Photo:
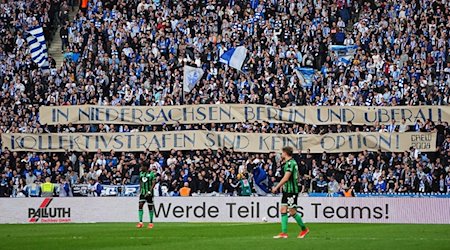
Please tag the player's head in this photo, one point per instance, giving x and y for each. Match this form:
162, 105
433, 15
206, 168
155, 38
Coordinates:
287, 152
145, 166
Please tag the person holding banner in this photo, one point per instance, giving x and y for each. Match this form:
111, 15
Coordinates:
290, 190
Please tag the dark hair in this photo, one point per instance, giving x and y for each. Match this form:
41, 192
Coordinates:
146, 165
288, 150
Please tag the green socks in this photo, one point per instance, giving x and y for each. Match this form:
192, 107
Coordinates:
299, 221
141, 214
150, 212
284, 223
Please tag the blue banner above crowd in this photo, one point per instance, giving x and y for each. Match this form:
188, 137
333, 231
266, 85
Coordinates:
235, 113
201, 139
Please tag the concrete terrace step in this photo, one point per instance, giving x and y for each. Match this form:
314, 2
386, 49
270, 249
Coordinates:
54, 49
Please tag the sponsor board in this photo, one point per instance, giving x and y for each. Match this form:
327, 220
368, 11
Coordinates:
226, 209
49, 214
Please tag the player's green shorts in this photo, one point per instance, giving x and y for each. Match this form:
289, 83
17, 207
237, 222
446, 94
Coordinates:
146, 198
289, 199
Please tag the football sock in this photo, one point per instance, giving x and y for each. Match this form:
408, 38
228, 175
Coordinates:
141, 214
284, 222
151, 215
299, 220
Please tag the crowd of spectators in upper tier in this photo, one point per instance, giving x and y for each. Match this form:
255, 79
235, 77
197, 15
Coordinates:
132, 52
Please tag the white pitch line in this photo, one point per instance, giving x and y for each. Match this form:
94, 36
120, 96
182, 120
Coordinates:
373, 238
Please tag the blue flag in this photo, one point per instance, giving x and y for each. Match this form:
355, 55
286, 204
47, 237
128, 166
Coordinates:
344, 53
254, 4
234, 57
261, 180
191, 77
38, 49
305, 76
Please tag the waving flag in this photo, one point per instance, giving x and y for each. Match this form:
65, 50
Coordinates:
347, 49
261, 180
254, 4
38, 48
305, 76
191, 77
344, 53
234, 57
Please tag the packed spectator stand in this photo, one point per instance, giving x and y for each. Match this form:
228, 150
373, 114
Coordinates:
131, 52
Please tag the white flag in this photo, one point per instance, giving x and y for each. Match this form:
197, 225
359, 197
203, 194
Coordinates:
191, 77
38, 48
234, 57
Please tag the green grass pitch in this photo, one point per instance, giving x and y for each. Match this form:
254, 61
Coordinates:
222, 236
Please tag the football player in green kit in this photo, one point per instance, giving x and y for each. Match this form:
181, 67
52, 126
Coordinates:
289, 184
147, 181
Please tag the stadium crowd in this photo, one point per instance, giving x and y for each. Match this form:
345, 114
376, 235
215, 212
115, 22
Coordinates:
132, 52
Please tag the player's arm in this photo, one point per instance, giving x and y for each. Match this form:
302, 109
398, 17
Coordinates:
155, 179
154, 184
285, 178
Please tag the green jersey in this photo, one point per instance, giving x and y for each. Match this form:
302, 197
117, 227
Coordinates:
291, 186
146, 180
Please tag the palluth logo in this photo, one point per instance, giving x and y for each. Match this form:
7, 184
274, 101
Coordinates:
48, 214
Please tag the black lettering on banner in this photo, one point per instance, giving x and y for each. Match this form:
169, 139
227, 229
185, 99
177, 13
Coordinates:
190, 114
328, 212
300, 211
383, 116
123, 114
149, 114
188, 139
272, 211
243, 211
136, 115
141, 142
211, 141
154, 140
198, 140
252, 210
387, 211
213, 212
165, 138
187, 211
378, 212
316, 209
110, 117
75, 142
201, 114
162, 210
231, 208
360, 211
342, 212
257, 209
248, 113
212, 113
200, 211
178, 211
330, 145
118, 142
263, 142
174, 117
161, 116
31, 212
105, 142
